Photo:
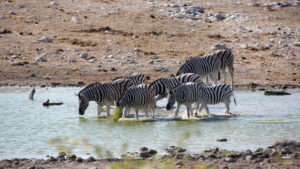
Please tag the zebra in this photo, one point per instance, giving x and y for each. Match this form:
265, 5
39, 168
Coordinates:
227, 60
202, 94
210, 65
186, 94
163, 84
136, 78
103, 94
138, 97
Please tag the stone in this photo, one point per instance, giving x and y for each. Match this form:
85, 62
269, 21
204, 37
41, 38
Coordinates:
152, 152
179, 163
46, 40
113, 69
174, 5
75, 20
84, 55
91, 159
61, 157
41, 58
222, 140
297, 43
161, 69
71, 60
79, 160
71, 157
155, 57
143, 149
145, 154
54, 3
12, 13
229, 159
195, 9
219, 46
285, 151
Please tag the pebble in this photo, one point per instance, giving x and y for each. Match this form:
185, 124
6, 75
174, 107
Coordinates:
297, 43
54, 3
41, 58
222, 140
12, 13
46, 40
219, 46
79, 160
75, 19
71, 60
84, 55
161, 69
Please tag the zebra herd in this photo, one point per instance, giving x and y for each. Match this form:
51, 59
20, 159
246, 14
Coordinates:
187, 88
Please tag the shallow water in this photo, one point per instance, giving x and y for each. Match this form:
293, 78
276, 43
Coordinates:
26, 127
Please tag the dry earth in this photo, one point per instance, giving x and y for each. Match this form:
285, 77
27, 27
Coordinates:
124, 36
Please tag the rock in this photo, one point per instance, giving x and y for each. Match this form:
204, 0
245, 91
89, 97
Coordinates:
113, 69
274, 54
276, 93
71, 157
285, 151
152, 152
71, 60
219, 46
5, 31
174, 6
84, 55
215, 16
51, 159
161, 69
12, 13
247, 153
222, 140
229, 159
212, 156
53, 84
79, 160
41, 58
179, 156
17, 63
179, 163
195, 9
249, 158
46, 40
75, 19
235, 16
145, 154
151, 62
91, 159
54, 3
155, 57
297, 43
136, 36
61, 157
235, 155
143, 149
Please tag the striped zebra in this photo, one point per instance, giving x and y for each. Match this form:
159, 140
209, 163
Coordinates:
103, 94
210, 65
136, 78
138, 97
185, 94
162, 85
190, 93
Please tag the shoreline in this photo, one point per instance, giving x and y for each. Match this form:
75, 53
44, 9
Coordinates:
284, 154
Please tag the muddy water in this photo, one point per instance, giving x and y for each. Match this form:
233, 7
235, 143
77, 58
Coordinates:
27, 128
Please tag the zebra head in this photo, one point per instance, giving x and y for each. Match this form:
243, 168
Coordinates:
83, 103
171, 99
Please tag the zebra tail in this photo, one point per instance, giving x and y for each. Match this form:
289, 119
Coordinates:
234, 99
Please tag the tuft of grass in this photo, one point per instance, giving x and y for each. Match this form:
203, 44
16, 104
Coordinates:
117, 114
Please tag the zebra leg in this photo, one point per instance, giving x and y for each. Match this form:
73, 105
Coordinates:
153, 110
125, 112
206, 109
188, 107
146, 112
108, 110
206, 79
136, 114
177, 110
225, 75
99, 107
231, 70
197, 108
227, 104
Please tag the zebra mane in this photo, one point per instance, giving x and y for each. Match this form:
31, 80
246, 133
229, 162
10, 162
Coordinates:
88, 87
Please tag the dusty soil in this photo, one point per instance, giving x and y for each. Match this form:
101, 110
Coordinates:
285, 154
124, 36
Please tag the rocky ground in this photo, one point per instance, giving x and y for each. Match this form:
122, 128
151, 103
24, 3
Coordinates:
284, 154
74, 42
